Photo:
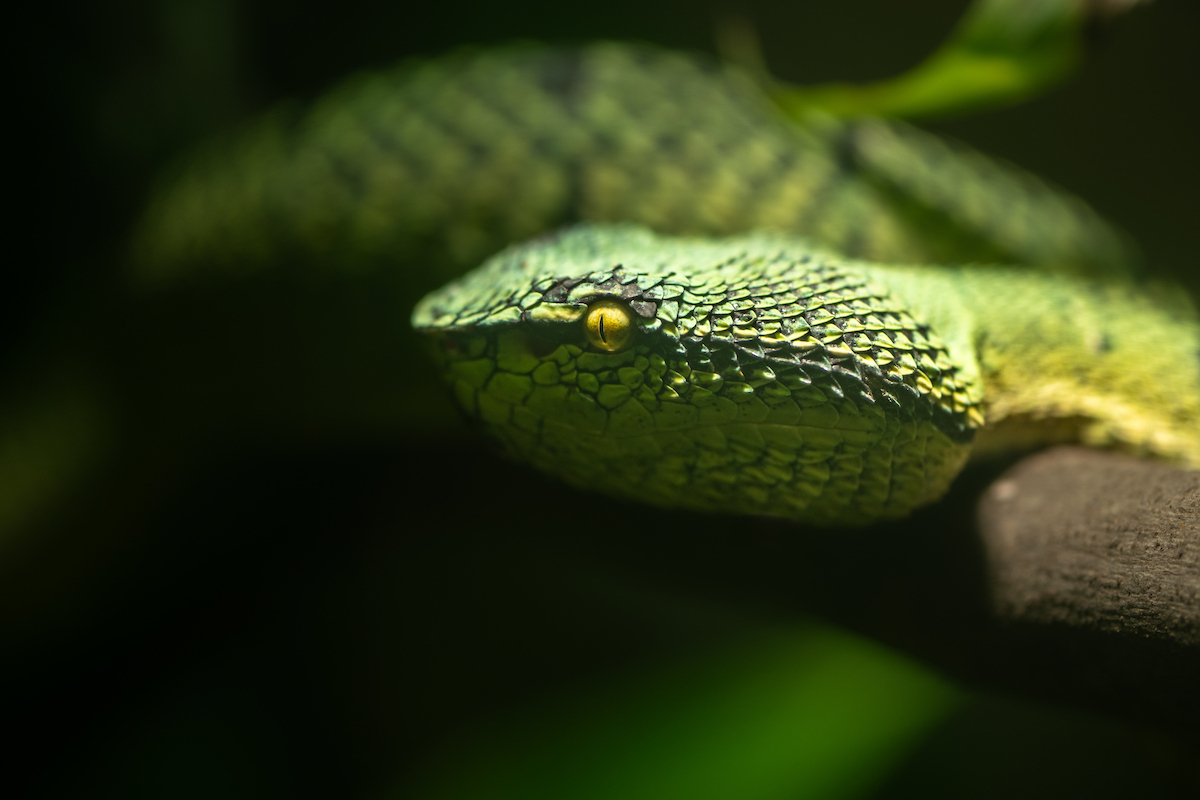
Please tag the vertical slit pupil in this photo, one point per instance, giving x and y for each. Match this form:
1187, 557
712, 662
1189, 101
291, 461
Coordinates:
600, 325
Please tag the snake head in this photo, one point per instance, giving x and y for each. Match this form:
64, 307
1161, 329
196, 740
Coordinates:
751, 375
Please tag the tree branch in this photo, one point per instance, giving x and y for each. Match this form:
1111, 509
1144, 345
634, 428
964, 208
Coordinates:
1073, 577
1093, 560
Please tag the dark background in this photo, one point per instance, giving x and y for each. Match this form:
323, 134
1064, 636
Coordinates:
312, 622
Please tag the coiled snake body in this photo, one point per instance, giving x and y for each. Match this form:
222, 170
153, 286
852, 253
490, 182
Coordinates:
763, 373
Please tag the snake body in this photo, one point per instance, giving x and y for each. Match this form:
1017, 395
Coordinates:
439, 164
768, 374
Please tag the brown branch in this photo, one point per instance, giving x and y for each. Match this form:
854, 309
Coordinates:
1096, 542
1074, 578
1093, 559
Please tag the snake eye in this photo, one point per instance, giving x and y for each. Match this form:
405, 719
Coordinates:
609, 325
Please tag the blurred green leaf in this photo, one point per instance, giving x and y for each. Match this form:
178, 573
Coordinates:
1002, 52
809, 712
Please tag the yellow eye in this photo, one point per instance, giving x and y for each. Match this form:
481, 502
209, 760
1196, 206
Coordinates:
609, 325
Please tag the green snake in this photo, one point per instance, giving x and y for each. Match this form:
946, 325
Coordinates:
763, 374
757, 374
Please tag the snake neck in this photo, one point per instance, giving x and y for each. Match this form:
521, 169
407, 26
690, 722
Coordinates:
1062, 360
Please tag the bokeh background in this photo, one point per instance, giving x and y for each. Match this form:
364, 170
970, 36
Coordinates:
350, 619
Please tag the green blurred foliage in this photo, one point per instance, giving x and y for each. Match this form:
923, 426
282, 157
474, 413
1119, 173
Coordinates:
1001, 53
803, 713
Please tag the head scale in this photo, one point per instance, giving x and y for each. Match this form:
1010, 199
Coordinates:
753, 375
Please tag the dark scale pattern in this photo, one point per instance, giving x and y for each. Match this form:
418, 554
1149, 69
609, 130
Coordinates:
765, 378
